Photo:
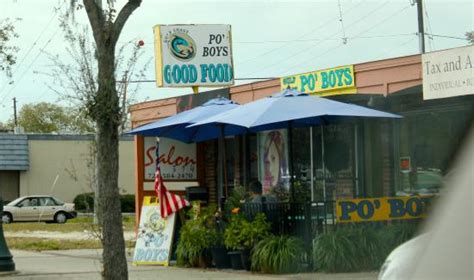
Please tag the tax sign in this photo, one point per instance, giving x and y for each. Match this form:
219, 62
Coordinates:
193, 55
381, 209
177, 160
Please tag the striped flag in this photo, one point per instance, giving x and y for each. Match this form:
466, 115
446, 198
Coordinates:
169, 202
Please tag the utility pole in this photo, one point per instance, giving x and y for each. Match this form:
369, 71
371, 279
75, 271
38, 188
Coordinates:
421, 28
14, 112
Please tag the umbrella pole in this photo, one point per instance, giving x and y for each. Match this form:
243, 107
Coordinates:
220, 172
311, 162
290, 146
324, 165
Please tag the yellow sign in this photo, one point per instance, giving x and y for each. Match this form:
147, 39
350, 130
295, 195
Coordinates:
155, 235
333, 81
381, 209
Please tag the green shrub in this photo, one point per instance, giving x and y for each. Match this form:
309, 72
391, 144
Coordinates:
358, 247
127, 203
370, 247
196, 237
396, 234
84, 202
242, 234
237, 195
278, 254
335, 251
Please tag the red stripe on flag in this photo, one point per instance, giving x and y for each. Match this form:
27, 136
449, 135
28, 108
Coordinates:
169, 202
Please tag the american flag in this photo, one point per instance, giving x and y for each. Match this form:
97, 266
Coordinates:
169, 202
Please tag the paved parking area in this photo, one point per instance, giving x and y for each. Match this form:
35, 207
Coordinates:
85, 264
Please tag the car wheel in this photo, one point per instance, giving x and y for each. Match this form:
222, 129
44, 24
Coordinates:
7, 218
60, 218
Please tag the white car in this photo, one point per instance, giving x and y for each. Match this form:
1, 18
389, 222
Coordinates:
38, 208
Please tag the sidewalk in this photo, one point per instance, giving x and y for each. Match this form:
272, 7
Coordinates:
85, 264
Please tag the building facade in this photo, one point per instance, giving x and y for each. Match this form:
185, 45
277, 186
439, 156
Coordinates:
59, 165
357, 158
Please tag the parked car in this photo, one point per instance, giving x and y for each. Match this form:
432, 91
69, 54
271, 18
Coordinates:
38, 208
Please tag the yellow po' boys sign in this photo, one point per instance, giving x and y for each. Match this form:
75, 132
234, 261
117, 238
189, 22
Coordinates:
333, 81
381, 209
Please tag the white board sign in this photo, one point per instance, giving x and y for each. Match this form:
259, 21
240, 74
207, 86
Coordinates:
155, 235
193, 55
448, 73
177, 160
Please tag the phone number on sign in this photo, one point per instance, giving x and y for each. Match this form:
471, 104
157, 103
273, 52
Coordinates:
174, 176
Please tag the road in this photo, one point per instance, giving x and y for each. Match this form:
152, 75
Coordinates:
85, 264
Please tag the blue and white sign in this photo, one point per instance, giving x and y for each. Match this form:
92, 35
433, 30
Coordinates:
193, 55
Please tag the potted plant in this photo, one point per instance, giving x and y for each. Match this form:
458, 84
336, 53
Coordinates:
241, 235
197, 235
219, 252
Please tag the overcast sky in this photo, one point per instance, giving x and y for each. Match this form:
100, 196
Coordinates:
270, 38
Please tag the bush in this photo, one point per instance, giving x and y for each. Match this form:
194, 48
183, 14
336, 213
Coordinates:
241, 234
278, 254
127, 203
358, 248
196, 237
335, 251
84, 202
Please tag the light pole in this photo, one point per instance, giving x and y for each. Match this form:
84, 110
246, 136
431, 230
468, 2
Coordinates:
6, 259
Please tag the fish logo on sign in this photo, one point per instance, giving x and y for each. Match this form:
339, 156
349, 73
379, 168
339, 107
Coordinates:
181, 46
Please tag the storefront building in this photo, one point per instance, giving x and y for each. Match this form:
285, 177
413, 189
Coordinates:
357, 158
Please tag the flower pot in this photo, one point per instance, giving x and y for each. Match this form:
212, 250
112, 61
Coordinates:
220, 257
245, 256
236, 260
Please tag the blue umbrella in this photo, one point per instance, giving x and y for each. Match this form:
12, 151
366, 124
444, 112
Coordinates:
176, 126
286, 109
289, 108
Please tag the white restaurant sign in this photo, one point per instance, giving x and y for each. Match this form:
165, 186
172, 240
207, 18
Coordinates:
448, 73
177, 160
193, 55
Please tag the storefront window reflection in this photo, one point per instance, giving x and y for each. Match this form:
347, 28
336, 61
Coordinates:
273, 168
426, 142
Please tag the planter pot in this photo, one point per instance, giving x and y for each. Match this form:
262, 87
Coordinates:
220, 257
245, 256
236, 260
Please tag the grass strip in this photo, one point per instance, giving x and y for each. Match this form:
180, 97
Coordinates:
41, 244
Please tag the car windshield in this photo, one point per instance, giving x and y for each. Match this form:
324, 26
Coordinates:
14, 202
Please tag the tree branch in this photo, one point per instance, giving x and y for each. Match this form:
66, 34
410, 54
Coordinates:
96, 19
122, 17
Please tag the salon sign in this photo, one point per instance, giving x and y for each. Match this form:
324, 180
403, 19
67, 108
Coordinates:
177, 159
381, 209
333, 81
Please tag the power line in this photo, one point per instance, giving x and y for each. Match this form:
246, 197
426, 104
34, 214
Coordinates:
29, 66
301, 36
300, 51
31, 48
448, 36
360, 33
327, 39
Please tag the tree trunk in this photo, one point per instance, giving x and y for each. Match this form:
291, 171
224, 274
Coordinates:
107, 120
105, 110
